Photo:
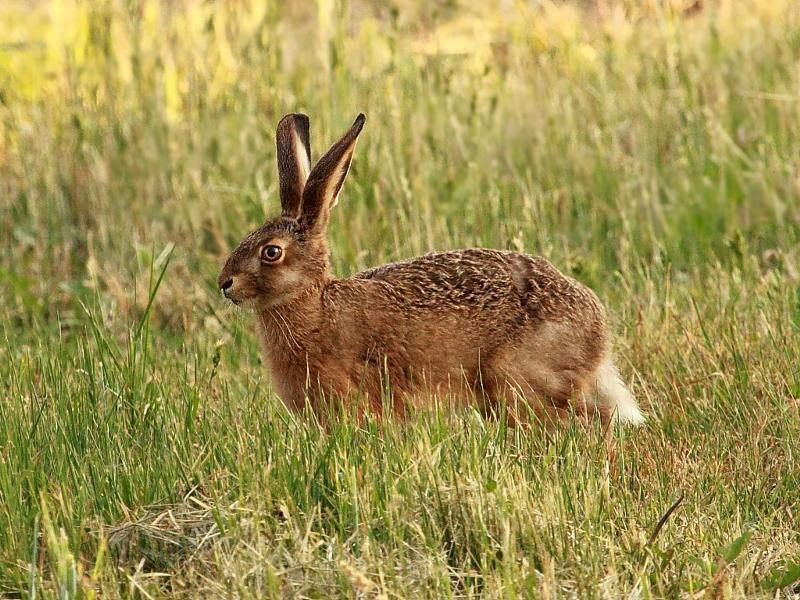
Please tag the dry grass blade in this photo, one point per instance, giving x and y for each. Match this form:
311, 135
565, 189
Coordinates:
664, 518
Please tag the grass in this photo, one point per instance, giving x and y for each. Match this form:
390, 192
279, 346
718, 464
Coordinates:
649, 151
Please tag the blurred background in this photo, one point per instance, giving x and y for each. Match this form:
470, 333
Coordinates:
610, 135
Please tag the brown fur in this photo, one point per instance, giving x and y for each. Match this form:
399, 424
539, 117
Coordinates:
472, 325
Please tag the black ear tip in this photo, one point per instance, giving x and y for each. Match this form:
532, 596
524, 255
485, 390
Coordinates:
295, 118
359, 122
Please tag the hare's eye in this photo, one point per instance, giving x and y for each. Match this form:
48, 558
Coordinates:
271, 253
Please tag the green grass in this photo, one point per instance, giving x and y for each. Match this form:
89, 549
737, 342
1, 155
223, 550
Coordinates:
653, 155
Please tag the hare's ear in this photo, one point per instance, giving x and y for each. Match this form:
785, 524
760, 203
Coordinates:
294, 161
326, 179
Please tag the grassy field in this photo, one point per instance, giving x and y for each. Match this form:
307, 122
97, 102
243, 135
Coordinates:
652, 152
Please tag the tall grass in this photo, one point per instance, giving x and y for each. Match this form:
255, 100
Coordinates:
649, 150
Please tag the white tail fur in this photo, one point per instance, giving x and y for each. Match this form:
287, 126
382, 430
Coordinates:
612, 395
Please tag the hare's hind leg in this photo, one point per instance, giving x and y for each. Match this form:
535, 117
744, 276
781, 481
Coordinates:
548, 372
535, 387
531, 393
530, 389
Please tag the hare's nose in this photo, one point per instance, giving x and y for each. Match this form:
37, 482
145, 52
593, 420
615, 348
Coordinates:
225, 286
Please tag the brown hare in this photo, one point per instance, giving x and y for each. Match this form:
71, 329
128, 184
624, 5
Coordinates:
503, 330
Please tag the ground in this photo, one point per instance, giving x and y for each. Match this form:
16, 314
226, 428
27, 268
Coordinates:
650, 150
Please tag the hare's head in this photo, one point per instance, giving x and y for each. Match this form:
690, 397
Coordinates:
288, 255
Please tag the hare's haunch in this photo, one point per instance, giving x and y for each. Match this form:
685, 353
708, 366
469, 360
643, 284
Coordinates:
484, 326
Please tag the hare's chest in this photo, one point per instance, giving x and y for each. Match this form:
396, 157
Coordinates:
287, 380
299, 376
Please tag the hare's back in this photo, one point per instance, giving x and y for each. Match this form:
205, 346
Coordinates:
482, 279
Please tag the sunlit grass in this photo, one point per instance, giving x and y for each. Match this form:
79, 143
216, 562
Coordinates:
650, 151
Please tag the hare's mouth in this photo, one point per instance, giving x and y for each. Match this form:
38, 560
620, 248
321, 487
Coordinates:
243, 302
238, 301
231, 297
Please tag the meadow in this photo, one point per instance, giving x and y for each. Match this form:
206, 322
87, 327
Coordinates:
649, 149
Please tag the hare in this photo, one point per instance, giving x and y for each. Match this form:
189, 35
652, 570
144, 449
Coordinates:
503, 330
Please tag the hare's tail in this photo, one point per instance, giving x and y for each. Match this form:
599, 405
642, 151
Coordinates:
612, 398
